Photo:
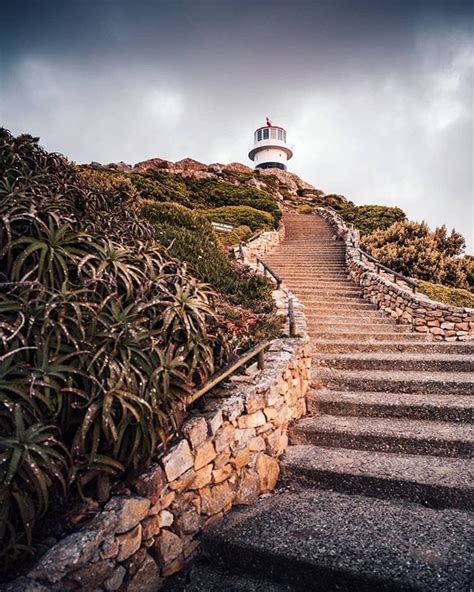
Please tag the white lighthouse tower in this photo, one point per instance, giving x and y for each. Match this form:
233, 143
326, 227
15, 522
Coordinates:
270, 150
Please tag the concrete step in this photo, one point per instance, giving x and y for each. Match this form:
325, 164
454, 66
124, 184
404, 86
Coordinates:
327, 541
367, 336
399, 405
346, 347
376, 325
205, 576
329, 307
429, 480
400, 361
334, 314
393, 381
437, 438
347, 317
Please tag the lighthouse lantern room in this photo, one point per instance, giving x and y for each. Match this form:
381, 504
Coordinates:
270, 150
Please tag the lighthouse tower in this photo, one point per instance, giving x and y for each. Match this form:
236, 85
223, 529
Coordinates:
270, 150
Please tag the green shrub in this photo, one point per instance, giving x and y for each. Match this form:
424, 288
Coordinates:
100, 339
241, 215
367, 219
206, 257
240, 234
162, 186
412, 249
451, 296
305, 209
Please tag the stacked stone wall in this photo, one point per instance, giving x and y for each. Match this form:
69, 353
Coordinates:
227, 456
438, 320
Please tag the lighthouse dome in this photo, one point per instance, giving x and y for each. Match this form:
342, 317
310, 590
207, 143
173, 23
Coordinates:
270, 148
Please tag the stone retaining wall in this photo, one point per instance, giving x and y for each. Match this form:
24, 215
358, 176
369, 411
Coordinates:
227, 456
449, 323
263, 243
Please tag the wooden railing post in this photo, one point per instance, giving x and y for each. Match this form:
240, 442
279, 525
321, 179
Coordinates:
261, 360
291, 318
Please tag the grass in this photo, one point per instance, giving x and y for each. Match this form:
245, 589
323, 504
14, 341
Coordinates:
451, 296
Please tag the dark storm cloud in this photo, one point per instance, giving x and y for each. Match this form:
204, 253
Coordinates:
377, 96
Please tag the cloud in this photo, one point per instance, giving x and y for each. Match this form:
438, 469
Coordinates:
376, 97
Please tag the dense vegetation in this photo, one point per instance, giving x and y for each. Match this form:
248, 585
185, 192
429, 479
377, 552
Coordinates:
412, 249
102, 330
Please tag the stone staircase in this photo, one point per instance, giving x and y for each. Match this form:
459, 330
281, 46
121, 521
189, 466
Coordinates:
377, 487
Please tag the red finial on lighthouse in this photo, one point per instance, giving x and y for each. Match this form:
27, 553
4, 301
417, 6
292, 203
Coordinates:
269, 123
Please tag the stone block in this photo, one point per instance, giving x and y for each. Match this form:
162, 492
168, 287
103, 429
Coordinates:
202, 478
224, 437
129, 543
167, 547
184, 481
178, 460
254, 420
128, 511
204, 454
151, 483
254, 401
147, 577
91, 576
241, 458
247, 487
214, 499
165, 518
151, 527
268, 471
220, 475
114, 582
195, 430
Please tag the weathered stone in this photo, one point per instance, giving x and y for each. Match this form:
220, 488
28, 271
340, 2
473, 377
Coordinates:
147, 578
257, 444
214, 421
248, 487
115, 580
129, 511
242, 437
205, 453
175, 566
221, 459
91, 576
73, 552
150, 484
109, 549
254, 420
184, 481
202, 478
214, 499
178, 460
277, 442
23, 584
188, 522
241, 458
167, 547
151, 527
268, 471
195, 431
190, 547
129, 543
134, 562
165, 519
224, 437
254, 401
219, 475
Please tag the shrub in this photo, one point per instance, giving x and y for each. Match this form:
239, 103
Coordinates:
367, 219
241, 215
238, 235
100, 338
305, 209
161, 186
200, 248
410, 248
451, 296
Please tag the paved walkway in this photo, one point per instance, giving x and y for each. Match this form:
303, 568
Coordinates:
377, 487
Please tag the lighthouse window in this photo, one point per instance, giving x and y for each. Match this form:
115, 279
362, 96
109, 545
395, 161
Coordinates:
265, 133
280, 134
273, 133
259, 135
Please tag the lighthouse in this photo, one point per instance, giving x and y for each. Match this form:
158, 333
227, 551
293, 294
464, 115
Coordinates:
270, 150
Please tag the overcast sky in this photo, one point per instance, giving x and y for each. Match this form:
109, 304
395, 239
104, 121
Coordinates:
376, 95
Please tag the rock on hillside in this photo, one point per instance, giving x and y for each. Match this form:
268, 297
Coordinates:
286, 186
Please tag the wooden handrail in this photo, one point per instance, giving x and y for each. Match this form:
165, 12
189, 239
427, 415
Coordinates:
269, 270
256, 351
378, 266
